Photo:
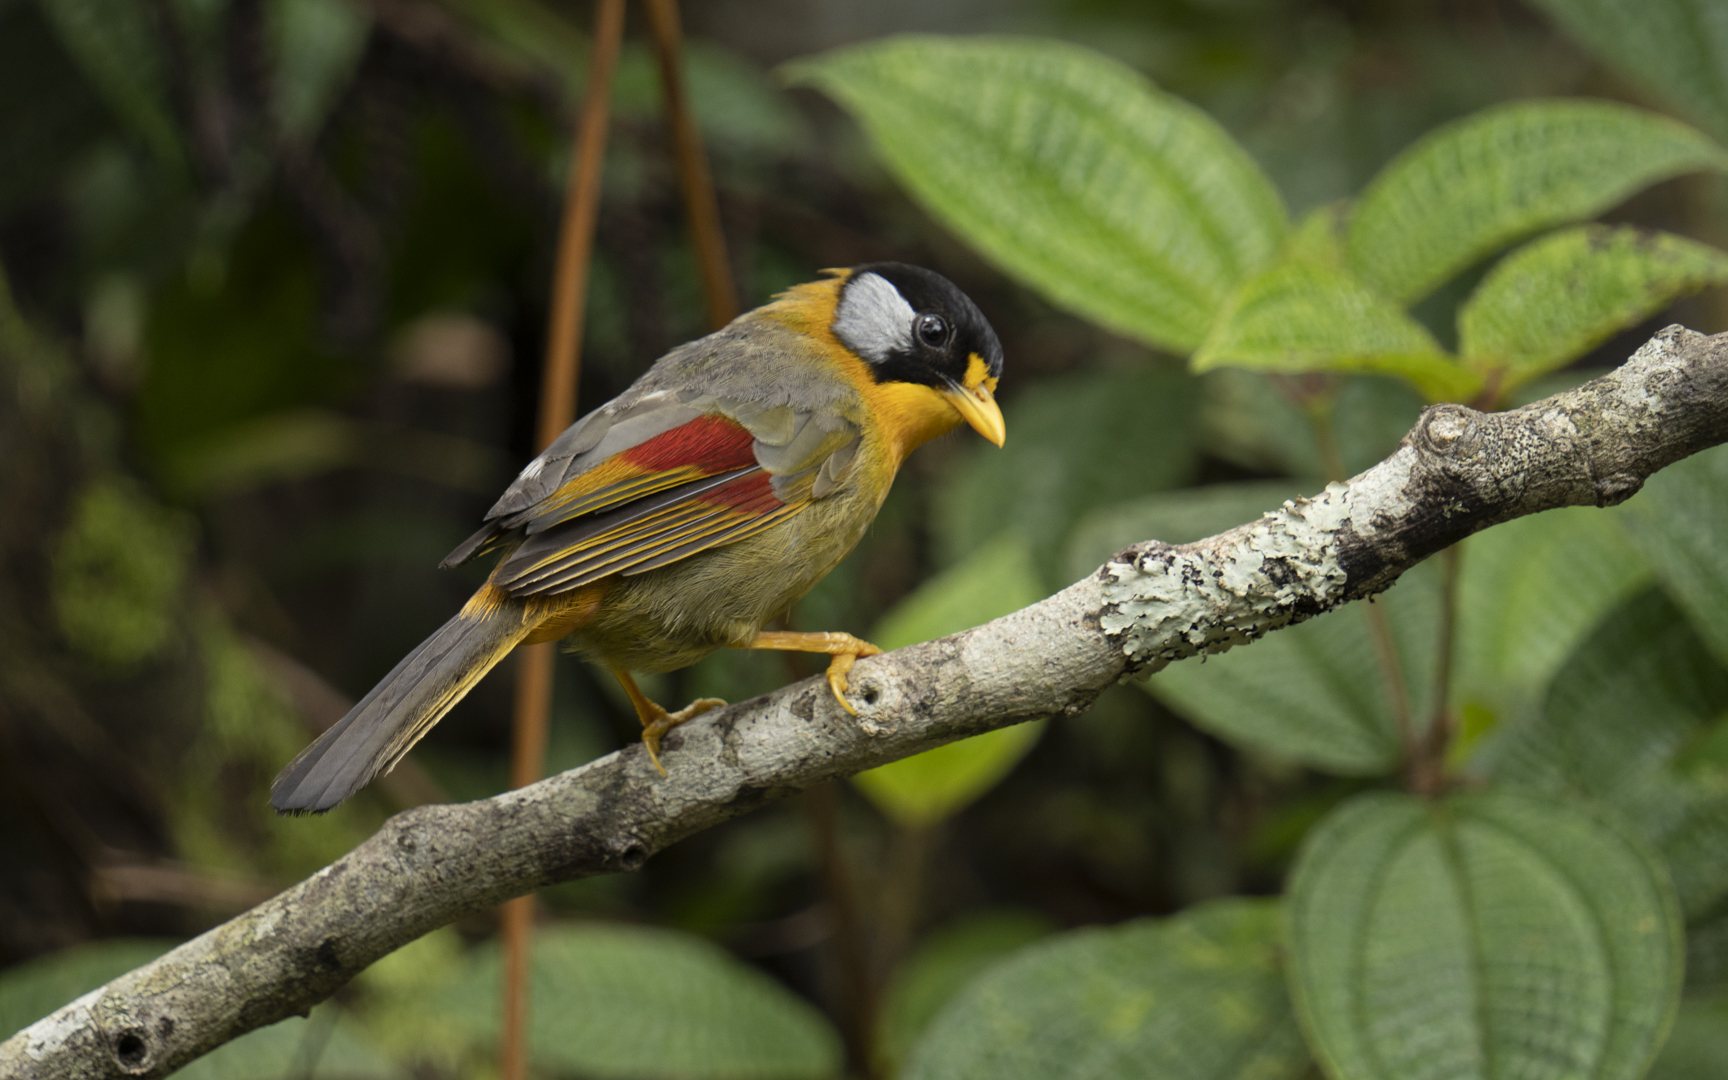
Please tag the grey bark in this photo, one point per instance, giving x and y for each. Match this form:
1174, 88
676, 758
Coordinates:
1457, 472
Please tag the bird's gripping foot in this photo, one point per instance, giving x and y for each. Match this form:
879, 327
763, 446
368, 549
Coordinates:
844, 648
656, 721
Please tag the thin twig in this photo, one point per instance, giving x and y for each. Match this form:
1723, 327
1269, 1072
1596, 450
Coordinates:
700, 201
856, 989
1427, 772
557, 410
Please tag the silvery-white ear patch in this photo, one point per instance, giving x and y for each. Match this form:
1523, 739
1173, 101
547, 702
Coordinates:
873, 319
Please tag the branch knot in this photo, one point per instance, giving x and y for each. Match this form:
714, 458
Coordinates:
1449, 430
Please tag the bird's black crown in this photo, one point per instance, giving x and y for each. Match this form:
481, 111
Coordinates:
913, 325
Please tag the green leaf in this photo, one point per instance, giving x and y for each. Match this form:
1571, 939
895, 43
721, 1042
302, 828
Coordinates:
118, 574
1072, 173
1194, 997
1304, 316
1556, 298
926, 788
1175, 517
117, 45
1316, 693
33, 989
316, 46
615, 1002
1249, 420
739, 107
531, 37
941, 967
1488, 936
1529, 592
410, 1003
1697, 1048
1079, 442
1319, 237
1678, 522
1627, 721
995, 580
1677, 47
1475, 185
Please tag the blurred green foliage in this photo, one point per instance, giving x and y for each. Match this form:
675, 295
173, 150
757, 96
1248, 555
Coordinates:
299, 251
118, 571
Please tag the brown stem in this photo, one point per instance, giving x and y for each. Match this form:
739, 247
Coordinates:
856, 990
700, 201
576, 234
903, 892
1427, 772
557, 411
1319, 411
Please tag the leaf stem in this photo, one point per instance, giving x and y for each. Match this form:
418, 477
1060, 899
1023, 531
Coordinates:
1427, 774
857, 991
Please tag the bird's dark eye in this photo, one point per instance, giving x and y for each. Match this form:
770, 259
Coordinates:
932, 330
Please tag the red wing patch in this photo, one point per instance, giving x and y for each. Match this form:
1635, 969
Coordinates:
703, 447
660, 501
713, 444
752, 494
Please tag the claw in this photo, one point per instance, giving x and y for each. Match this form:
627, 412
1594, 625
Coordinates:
839, 666
653, 730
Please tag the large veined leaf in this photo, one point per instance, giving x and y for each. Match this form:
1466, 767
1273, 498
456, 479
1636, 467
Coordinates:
1487, 936
1305, 316
1477, 184
940, 968
1175, 517
614, 1002
1678, 521
1697, 1048
926, 788
117, 45
1529, 592
1247, 420
1628, 722
1556, 298
1117, 201
1318, 693
1677, 47
1051, 470
1194, 997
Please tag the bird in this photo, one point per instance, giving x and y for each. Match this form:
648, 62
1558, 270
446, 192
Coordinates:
685, 514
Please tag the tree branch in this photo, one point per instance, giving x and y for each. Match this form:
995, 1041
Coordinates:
1457, 472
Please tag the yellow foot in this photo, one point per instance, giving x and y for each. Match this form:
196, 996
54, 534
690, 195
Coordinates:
844, 648
659, 722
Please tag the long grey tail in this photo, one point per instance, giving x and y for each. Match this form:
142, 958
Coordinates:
402, 708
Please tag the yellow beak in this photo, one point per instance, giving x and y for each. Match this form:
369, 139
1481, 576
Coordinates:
978, 406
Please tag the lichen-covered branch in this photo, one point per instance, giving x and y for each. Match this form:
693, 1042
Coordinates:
1457, 472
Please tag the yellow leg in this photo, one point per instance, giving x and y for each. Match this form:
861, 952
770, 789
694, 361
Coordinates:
656, 721
844, 648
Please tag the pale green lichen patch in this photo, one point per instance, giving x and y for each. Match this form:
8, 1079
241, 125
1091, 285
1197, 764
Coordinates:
1177, 602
